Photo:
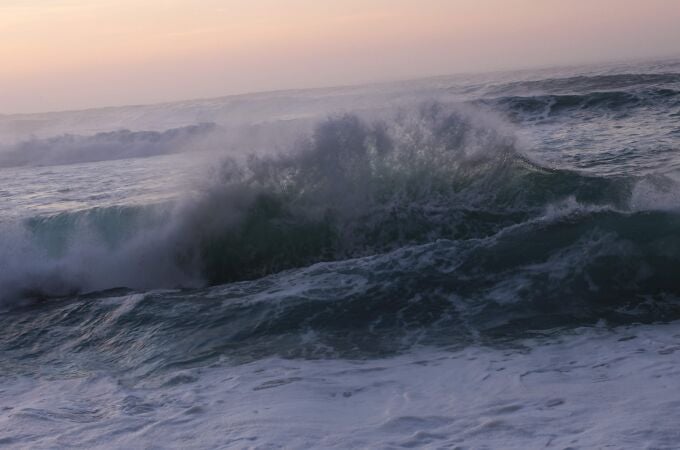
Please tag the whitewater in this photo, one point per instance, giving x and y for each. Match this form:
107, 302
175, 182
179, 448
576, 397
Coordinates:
471, 261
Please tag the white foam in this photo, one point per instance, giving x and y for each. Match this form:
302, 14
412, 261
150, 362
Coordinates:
591, 388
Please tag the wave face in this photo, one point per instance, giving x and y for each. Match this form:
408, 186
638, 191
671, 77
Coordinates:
566, 269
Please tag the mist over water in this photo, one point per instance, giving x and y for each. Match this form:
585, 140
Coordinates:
160, 265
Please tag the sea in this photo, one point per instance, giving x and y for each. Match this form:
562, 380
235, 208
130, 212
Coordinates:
475, 261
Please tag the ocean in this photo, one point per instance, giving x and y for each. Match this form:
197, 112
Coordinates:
470, 261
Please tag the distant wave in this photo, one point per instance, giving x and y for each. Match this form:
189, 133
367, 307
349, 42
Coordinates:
69, 149
586, 83
614, 102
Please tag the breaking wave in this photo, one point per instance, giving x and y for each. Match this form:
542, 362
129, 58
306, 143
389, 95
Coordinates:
433, 217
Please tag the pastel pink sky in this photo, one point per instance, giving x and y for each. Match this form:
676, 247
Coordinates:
68, 54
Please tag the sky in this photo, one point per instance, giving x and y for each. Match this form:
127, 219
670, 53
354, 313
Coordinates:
75, 54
